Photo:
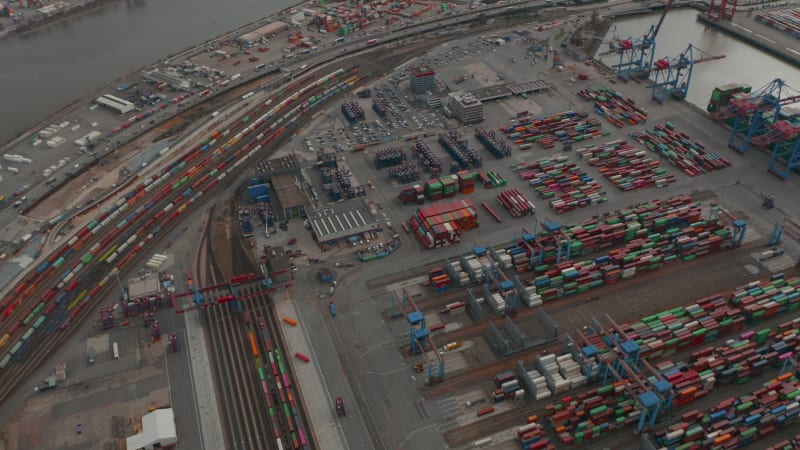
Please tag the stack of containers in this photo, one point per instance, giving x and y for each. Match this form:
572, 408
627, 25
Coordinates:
326, 159
765, 299
439, 279
459, 150
499, 149
592, 414
492, 179
353, 111
462, 277
564, 184
548, 366
541, 390
516, 203
472, 266
738, 421
466, 181
626, 166
389, 157
680, 150
618, 110
570, 370
404, 173
502, 258
441, 225
531, 298
569, 126
429, 160
533, 436
497, 303
784, 19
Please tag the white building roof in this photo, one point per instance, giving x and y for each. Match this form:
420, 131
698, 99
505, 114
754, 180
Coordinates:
158, 427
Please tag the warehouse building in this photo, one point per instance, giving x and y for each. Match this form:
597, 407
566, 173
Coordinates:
346, 221
171, 77
423, 79
158, 431
115, 104
263, 32
465, 107
284, 176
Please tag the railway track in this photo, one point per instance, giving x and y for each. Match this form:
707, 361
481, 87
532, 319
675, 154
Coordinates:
47, 304
261, 407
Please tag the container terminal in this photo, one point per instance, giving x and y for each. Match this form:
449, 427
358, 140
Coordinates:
465, 233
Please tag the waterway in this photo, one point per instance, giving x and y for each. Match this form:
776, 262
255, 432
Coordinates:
742, 64
48, 68
51, 67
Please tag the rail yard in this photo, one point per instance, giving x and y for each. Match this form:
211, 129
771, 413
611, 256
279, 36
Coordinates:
474, 239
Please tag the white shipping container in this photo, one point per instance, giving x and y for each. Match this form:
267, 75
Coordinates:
12, 169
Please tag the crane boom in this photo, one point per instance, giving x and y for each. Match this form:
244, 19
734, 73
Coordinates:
661, 19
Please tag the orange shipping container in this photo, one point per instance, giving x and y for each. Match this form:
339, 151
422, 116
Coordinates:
290, 321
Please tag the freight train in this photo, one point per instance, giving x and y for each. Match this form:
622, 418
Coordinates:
101, 259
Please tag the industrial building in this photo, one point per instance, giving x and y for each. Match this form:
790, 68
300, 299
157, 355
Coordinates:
344, 221
158, 431
265, 31
171, 77
142, 287
423, 79
284, 176
115, 104
465, 107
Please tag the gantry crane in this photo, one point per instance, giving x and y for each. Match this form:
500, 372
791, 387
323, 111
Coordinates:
419, 337
673, 76
721, 10
199, 294
755, 114
636, 54
784, 138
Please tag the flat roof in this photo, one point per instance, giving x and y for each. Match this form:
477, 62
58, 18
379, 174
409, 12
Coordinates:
138, 287
288, 193
465, 98
116, 99
277, 258
158, 427
277, 165
342, 220
421, 71
506, 90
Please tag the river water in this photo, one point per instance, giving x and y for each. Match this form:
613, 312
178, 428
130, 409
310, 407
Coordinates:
742, 64
50, 67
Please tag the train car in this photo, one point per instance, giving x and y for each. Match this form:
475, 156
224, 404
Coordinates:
253, 344
72, 286
302, 435
4, 340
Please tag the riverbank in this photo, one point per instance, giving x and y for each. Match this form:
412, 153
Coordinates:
769, 40
32, 24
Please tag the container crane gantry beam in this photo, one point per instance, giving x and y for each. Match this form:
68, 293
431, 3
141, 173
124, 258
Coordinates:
673, 76
636, 55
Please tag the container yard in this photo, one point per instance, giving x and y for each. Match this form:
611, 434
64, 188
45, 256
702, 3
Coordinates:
396, 305
676, 147
563, 184
626, 166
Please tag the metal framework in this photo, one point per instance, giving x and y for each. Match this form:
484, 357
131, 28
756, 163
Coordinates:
756, 114
419, 338
199, 294
721, 10
673, 76
784, 138
636, 54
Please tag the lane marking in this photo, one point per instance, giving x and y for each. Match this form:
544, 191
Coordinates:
793, 51
765, 38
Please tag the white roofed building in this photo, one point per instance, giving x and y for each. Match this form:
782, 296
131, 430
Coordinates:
158, 431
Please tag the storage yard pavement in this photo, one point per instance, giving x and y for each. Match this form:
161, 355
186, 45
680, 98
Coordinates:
320, 380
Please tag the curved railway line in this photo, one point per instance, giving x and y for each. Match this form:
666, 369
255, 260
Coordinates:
56, 294
257, 389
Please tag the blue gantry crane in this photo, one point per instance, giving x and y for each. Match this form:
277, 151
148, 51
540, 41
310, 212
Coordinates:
756, 114
636, 54
419, 337
673, 76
